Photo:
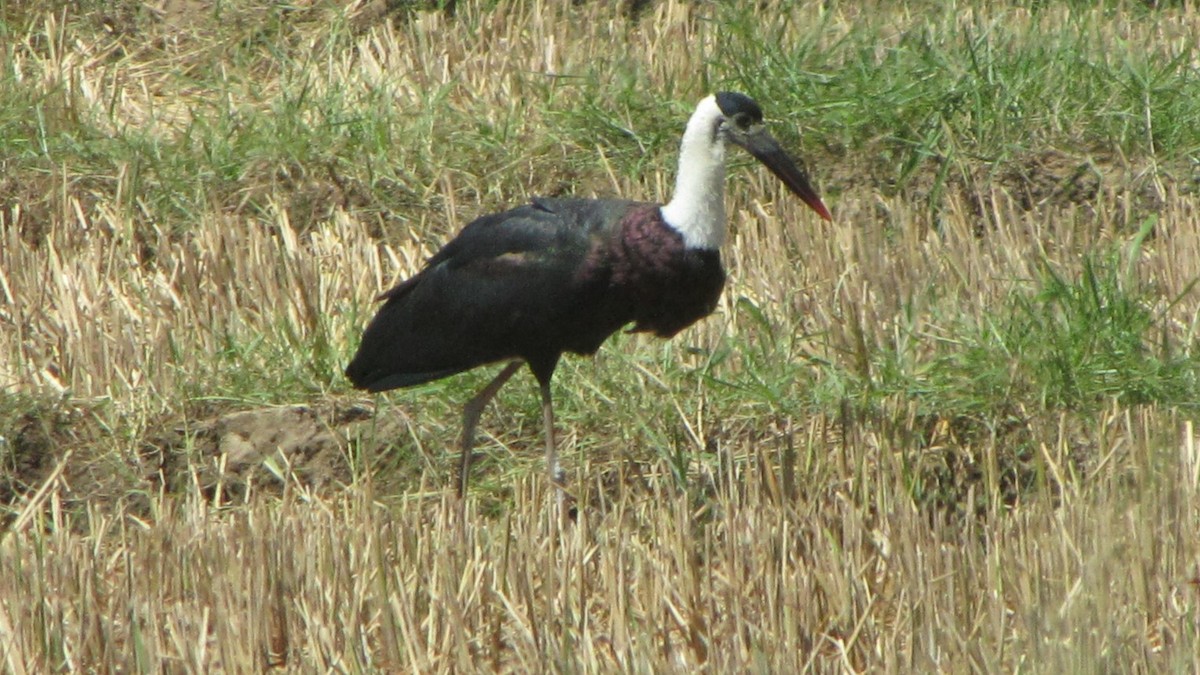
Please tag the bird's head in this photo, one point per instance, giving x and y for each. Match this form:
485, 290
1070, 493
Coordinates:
741, 123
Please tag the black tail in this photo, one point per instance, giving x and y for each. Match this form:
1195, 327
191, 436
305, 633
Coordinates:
364, 373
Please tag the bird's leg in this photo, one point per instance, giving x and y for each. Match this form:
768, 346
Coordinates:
471, 412
553, 470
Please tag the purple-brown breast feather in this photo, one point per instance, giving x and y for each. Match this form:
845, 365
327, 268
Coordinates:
665, 285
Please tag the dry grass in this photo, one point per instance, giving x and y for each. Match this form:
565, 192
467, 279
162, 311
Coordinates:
734, 576
760, 495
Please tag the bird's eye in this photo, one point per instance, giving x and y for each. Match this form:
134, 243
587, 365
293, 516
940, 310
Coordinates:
741, 121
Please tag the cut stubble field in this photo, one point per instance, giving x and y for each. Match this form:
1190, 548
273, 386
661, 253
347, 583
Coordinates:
953, 430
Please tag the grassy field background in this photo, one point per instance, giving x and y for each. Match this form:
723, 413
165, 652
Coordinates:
954, 430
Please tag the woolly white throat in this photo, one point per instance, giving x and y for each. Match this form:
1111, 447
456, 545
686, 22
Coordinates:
697, 209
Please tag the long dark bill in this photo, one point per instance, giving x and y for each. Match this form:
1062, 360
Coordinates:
767, 150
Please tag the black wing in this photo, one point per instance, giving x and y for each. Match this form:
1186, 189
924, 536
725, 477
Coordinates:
510, 285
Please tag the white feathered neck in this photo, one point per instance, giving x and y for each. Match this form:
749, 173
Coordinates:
697, 209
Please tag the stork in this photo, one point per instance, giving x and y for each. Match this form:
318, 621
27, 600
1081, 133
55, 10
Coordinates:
561, 275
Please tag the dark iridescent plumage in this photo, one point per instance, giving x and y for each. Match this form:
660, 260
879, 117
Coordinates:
558, 275
561, 275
